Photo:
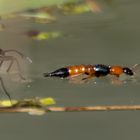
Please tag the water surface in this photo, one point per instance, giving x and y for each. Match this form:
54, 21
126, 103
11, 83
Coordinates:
108, 37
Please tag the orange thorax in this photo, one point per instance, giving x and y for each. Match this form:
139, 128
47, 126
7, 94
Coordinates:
116, 70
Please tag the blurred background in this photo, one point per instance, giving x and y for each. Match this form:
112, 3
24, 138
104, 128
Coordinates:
59, 33
8, 6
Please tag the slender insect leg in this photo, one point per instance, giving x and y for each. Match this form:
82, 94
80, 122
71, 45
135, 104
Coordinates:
88, 77
2, 59
4, 88
6, 58
6, 51
9, 67
1, 63
21, 54
18, 67
12, 59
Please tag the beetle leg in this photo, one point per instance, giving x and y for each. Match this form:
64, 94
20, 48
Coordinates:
88, 77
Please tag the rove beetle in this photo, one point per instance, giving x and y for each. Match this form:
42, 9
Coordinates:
89, 70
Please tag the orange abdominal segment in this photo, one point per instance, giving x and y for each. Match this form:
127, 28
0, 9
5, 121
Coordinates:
80, 69
76, 70
116, 70
90, 70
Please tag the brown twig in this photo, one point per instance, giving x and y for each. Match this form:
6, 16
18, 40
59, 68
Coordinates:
42, 110
95, 108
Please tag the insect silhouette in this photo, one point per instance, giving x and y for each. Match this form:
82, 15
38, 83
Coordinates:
5, 57
89, 70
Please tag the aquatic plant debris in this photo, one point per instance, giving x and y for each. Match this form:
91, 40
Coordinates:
37, 35
28, 102
40, 106
79, 8
40, 17
47, 101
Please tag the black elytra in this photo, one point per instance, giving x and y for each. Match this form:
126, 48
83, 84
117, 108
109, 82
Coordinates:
101, 70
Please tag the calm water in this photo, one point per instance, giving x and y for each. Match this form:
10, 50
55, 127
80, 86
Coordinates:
109, 37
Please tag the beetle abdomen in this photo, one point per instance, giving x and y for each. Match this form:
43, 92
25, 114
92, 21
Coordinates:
63, 72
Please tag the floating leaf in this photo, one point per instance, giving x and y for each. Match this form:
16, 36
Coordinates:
41, 17
35, 102
7, 103
43, 35
47, 101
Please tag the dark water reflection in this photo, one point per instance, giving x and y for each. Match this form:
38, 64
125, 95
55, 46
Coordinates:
109, 37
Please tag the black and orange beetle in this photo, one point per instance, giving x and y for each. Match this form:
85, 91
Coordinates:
90, 70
